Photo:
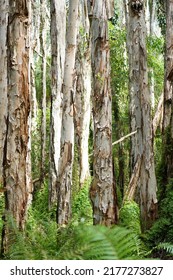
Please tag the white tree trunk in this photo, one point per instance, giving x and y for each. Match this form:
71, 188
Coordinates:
43, 37
83, 92
67, 130
3, 79
58, 35
102, 190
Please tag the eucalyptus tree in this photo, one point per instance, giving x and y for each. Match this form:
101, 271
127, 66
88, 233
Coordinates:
142, 156
168, 93
102, 191
83, 91
16, 153
67, 128
3, 79
43, 51
58, 35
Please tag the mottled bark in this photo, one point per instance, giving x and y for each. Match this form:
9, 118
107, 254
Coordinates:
140, 109
43, 37
168, 95
16, 154
83, 92
168, 65
102, 190
58, 33
67, 130
3, 79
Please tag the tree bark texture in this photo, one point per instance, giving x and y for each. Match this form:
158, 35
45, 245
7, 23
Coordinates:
43, 37
168, 65
16, 154
3, 78
83, 92
58, 35
67, 129
168, 94
140, 109
102, 192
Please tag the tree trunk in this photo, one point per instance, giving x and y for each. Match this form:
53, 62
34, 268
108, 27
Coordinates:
16, 154
3, 79
140, 109
43, 35
83, 92
58, 33
168, 94
67, 130
102, 190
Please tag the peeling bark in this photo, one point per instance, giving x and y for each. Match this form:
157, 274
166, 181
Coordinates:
16, 154
3, 79
67, 129
140, 109
168, 99
102, 191
58, 33
43, 36
168, 95
83, 92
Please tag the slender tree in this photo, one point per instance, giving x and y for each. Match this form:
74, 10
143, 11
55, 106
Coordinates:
16, 154
168, 94
43, 37
83, 92
58, 35
3, 79
67, 129
102, 191
140, 110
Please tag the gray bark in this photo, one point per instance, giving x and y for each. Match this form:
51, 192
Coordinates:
3, 79
58, 35
83, 92
140, 109
67, 129
102, 190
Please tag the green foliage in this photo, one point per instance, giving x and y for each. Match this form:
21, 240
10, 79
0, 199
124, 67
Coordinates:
129, 216
162, 231
161, 15
1, 212
81, 206
155, 50
120, 105
36, 145
101, 243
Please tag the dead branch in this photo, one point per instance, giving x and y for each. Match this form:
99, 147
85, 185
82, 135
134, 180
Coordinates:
158, 115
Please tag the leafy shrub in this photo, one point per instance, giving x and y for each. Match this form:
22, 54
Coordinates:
130, 216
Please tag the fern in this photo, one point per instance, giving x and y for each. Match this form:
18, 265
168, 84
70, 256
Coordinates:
168, 247
99, 242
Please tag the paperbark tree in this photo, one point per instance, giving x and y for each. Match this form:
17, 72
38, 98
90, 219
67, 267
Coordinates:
102, 191
140, 110
168, 94
43, 37
16, 154
3, 79
67, 129
58, 35
83, 92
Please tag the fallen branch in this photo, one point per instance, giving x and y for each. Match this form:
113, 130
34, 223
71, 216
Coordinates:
158, 115
124, 137
121, 139
130, 192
